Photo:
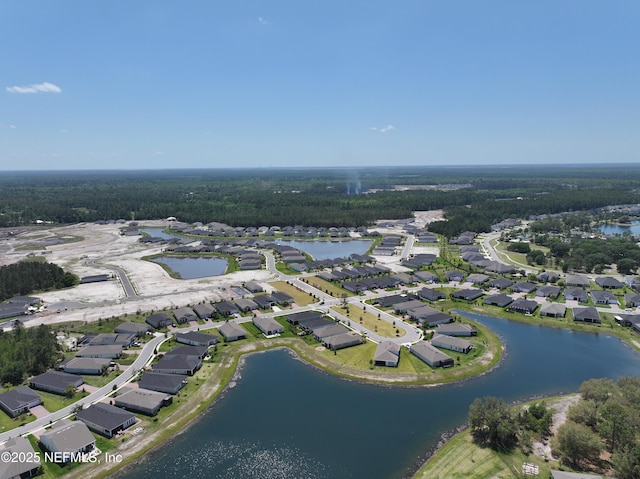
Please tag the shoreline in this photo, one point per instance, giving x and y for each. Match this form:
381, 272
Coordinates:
236, 360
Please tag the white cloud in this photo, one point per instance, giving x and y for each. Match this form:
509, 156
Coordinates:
45, 87
384, 129
262, 21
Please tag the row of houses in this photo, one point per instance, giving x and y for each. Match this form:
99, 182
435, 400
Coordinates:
330, 333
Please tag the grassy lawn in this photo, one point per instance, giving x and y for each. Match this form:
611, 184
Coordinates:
284, 269
326, 286
300, 297
355, 356
370, 321
7, 423
100, 381
54, 402
461, 458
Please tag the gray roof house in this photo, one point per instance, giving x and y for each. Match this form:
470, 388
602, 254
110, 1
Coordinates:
586, 315
133, 328
295, 318
431, 355
245, 305
524, 287
268, 326
451, 343
457, 329
431, 294
264, 301
204, 310
632, 300
426, 276
72, 437
387, 354
467, 294
194, 338
524, 306
159, 320
554, 310
184, 315
253, 287
112, 351
477, 278
548, 292
500, 283
326, 331
28, 466
19, 400
342, 341
501, 300
56, 382
577, 280
226, 308
435, 319
105, 419
119, 339
405, 306
231, 331
142, 401
603, 297
609, 282
162, 382
579, 295
93, 366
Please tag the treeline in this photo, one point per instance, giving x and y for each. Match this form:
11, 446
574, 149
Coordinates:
606, 418
27, 352
25, 277
473, 198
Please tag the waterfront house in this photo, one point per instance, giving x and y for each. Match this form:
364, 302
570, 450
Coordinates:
451, 343
467, 294
523, 306
431, 355
603, 297
162, 382
456, 329
142, 401
554, 310
342, 341
501, 300
387, 354
586, 315
105, 419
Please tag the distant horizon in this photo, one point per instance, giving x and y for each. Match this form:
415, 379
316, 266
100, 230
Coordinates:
360, 167
158, 84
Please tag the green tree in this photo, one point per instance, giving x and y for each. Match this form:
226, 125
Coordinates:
492, 423
577, 443
626, 462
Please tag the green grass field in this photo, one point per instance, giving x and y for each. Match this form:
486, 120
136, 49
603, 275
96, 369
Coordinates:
300, 297
370, 321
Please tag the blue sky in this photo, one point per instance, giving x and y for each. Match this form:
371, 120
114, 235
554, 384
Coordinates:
232, 83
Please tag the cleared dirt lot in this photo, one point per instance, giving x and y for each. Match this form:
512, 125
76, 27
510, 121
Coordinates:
89, 249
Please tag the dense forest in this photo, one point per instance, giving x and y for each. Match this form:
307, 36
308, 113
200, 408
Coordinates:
27, 352
25, 277
472, 197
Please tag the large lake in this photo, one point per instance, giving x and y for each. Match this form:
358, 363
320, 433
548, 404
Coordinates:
321, 249
285, 419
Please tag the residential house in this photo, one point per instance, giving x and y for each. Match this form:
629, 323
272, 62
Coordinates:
500, 300
403, 307
426, 276
142, 401
632, 300
467, 294
387, 354
159, 321
264, 301
194, 338
342, 341
268, 326
524, 287
91, 366
549, 292
477, 278
105, 419
231, 331
577, 281
456, 329
586, 315
68, 438
19, 400
295, 318
523, 306
431, 355
162, 382
204, 311
177, 364
226, 308
184, 315
431, 294
56, 382
454, 276
603, 297
253, 287
579, 295
554, 310
451, 343
328, 330
607, 282
28, 464
246, 305
129, 327
283, 299
110, 351
118, 339
500, 283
